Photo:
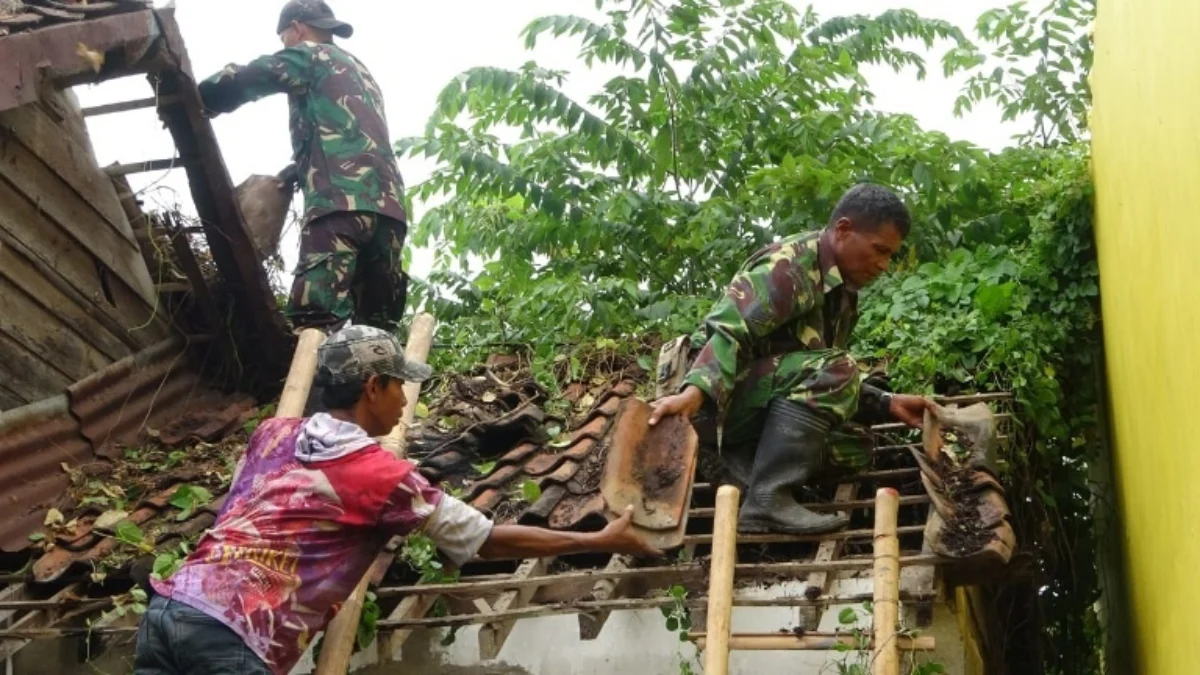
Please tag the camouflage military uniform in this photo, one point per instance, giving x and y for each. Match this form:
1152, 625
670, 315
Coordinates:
781, 331
354, 220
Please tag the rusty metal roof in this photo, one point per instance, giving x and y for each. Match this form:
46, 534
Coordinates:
34, 441
78, 427
113, 404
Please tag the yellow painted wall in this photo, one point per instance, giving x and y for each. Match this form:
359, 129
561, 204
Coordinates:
1146, 142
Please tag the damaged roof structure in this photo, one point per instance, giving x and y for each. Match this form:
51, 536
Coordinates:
106, 369
99, 342
95, 344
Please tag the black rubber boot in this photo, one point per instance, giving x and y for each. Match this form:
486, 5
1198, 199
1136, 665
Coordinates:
790, 453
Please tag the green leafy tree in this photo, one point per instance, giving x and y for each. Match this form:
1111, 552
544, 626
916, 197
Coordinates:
732, 123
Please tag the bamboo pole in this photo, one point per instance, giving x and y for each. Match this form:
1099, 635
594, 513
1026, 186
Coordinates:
340, 634
420, 337
885, 657
808, 642
298, 384
720, 583
300, 375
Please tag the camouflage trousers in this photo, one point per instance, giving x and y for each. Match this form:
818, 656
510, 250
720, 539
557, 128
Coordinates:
826, 380
350, 268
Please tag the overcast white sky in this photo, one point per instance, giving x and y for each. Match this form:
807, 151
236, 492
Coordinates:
415, 48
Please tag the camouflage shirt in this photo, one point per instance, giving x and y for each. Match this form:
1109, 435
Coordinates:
787, 297
339, 133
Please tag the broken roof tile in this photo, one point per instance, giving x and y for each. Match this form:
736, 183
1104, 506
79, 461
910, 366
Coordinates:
562, 474
518, 454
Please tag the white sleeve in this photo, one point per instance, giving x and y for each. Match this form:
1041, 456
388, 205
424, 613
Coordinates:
458, 530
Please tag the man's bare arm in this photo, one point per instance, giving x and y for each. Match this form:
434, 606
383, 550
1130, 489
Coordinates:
519, 541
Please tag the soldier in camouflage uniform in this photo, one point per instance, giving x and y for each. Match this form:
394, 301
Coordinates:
773, 378
354, 222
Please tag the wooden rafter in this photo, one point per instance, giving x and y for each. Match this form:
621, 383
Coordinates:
828, 550
493, 635
591, 623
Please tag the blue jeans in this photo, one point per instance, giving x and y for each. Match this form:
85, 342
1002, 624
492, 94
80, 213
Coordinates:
177, 639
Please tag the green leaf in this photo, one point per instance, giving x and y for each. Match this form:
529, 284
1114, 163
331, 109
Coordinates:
922, 177
672, 624
847, 616
188, 498
165, 565
128, 532
531, 491
995, 299
37, 536
484, 468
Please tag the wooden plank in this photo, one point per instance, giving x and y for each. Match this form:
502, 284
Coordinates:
828, 550
143, 167
493, 635
810, 642
591, 623
771, 538
824, 507
411, 607
672, 573
26, 375
52, 196
24, 275
28, 230
622, 604
9, 399
36, 619
43, 334
73, 163
123, 106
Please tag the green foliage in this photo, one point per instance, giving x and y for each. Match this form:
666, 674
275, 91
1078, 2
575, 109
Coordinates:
128, 532
625, 213
367, 631
265, 412
530, 491
1038, 67
186, 498
421, 555
678, 616
168, 562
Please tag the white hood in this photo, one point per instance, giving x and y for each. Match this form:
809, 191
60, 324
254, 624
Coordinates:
325, 437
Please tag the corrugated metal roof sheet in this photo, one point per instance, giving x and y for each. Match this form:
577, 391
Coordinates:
34, 441
113, 404
96, 414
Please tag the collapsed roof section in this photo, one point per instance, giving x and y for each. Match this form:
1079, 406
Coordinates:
94, 347
77, 43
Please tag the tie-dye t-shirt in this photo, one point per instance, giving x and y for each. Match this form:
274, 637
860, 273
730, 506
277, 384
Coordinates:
295, 537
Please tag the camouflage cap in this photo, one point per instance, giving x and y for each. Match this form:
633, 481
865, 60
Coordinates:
355, 352
315, 13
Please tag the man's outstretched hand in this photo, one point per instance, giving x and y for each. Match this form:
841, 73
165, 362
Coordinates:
909, 409
686, 403
619, 537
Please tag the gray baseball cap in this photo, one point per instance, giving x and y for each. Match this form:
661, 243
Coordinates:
355, 352
315, 13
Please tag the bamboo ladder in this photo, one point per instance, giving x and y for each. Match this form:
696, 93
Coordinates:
718, 639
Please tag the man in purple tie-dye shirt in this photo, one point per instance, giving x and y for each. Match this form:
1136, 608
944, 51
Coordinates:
314, 502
